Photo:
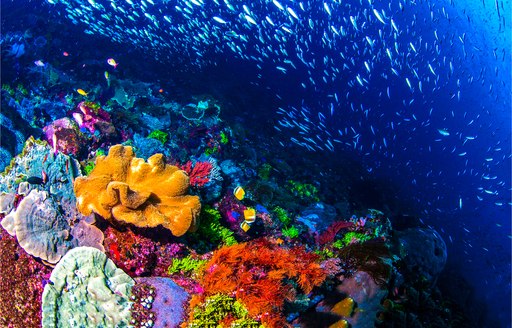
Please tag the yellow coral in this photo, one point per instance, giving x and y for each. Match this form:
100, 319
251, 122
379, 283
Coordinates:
145, 194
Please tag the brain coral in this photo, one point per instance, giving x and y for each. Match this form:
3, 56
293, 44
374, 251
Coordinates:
146, 194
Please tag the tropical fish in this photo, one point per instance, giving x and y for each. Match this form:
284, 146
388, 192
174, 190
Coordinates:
82, 92
250, 215
107, 77
112, 62
249, 218
239, 193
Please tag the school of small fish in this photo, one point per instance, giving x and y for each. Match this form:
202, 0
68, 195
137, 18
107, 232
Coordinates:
356, 60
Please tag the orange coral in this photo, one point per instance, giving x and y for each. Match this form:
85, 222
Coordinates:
145, 194
256, 273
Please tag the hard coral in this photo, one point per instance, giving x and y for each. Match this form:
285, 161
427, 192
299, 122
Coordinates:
41, 211
128, 189
86, 289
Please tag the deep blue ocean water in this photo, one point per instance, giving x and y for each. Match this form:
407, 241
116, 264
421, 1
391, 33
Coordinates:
438, 154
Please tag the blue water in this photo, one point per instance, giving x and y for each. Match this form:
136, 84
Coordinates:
442, 148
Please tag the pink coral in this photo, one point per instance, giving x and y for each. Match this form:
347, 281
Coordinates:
65, 136
90, 116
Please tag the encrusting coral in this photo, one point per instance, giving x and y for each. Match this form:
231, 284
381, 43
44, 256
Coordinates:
145, 194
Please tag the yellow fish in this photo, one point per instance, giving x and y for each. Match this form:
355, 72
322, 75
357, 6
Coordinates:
107, 77
245, 226
239, 193
82, 92
250, 215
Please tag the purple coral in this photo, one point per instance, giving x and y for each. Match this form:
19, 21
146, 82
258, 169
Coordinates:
167, 303
64, 135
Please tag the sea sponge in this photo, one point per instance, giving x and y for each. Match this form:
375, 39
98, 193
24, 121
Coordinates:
145, 194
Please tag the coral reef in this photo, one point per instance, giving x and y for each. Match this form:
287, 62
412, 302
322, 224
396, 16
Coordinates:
372, 257
222, 310
43, 231
367, 294
423, 251
256, 273
22, 281
135, 254
39, 204
128, 189
167, 302
198, 172
86, 289
65, 136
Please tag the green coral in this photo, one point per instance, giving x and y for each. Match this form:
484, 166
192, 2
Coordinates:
220, 307
291, 232
159, 135
211, 229
304, 191
324, 253
21, 89
223, 138
264, 171
282, 215
7, 88
211, 150
186, 265
351, 237
88, 168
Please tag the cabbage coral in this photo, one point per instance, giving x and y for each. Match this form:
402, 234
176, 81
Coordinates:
145, 194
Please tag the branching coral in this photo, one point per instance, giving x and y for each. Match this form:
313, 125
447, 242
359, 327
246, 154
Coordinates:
146, 194
256, 273
371, 257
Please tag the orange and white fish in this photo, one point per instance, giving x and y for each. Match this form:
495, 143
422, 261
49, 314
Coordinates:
112, 62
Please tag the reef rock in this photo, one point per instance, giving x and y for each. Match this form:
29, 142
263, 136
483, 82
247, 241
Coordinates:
423, 251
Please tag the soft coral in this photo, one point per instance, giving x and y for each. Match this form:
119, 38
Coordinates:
256, 274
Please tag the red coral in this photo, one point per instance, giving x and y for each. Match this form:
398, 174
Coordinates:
330, 233
21, 285
198, 172
255, 273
